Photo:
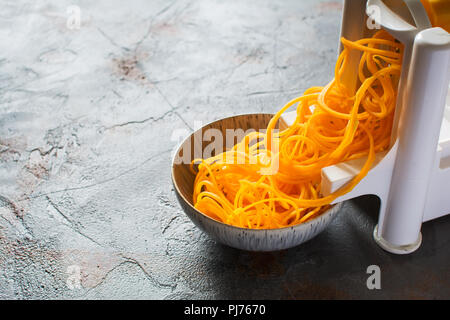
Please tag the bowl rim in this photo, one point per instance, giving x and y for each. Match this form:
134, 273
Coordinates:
334, 207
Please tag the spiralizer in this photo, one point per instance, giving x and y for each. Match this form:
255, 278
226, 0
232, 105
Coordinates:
412, 178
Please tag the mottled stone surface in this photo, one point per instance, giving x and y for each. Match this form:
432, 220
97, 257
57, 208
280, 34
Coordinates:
88, 118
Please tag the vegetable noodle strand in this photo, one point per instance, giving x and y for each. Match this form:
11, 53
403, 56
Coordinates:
273, 179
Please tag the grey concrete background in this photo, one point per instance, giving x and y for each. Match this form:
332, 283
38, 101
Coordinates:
87, 122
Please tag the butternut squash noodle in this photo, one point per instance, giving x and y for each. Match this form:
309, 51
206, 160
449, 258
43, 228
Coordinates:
274, 178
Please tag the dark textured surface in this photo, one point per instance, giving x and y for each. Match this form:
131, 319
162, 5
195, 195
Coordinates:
88, 121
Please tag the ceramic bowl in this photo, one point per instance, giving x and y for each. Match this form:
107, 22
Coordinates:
240, 238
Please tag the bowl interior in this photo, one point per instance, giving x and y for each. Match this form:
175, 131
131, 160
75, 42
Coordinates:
214, 138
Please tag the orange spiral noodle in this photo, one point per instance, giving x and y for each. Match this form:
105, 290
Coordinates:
274, 178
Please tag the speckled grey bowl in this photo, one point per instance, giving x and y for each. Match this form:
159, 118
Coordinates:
240, 238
